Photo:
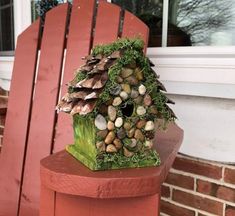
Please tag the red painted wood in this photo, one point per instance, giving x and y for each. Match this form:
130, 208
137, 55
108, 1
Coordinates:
15, 133
78, 45
83, 206
43, 110
64, 174
134, 27
47, 202
107, 23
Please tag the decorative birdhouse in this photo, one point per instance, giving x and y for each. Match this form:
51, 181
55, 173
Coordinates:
117, 104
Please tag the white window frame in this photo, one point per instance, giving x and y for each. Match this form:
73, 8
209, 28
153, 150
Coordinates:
200, 71
22, 19
7, 53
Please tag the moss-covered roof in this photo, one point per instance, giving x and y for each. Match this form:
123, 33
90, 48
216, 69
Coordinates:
98, 77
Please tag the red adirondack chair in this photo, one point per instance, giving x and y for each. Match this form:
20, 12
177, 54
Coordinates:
45, 59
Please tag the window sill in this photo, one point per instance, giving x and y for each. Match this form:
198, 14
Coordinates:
198, 71
6, 63
193, 51
7, 58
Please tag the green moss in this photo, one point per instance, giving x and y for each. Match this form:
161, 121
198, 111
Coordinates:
120, 44
118, 160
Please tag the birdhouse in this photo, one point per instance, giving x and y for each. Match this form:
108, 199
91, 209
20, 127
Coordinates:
117, 104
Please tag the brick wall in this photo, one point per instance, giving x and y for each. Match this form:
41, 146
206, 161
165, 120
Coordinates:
199, 188
3, 105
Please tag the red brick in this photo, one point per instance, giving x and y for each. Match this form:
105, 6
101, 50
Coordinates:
3, 100
199, 214
206, 187
165, 191
215, 190
229, 175
2, 120
3, 110
3, 105
198, 202
1, 131
226, 193
173, 210
3, 92
0, 144
230, 211
180, 180
199, 168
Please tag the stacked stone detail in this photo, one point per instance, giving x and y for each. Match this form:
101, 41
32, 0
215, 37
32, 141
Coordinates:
118, 101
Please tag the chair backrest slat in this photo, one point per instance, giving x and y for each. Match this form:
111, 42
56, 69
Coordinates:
78, 45
134, 27
16, 127
43, 109
107, 23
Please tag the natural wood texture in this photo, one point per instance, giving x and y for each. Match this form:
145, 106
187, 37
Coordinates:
16, 127
107, 23
43, 109
80, 191
64, 174
78, 45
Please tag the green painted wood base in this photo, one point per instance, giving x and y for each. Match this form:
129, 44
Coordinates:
91, 164
84, 150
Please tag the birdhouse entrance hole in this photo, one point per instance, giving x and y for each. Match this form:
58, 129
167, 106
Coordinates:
127, 110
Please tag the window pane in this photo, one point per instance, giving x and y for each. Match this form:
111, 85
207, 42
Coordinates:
40, 7
201, 22
6, 27
5, 2
149, 11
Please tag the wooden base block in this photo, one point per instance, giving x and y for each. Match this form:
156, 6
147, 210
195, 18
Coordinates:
82, 206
